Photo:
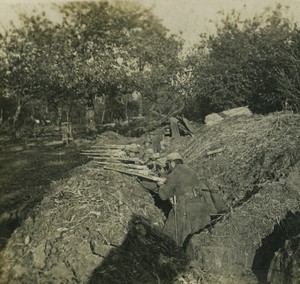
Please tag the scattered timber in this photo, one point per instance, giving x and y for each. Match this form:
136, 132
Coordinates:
108, 146
217, 151
114, 159
188, 125
134, 173
174, 126
103, 151
103, 154
184, 129
138, 167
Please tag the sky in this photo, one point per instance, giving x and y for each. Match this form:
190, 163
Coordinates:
191, 17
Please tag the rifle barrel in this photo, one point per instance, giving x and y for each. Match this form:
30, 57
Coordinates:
133, 173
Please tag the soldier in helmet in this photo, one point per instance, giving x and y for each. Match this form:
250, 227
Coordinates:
190, 212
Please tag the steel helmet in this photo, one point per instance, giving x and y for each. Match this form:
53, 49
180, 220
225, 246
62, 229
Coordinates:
174, 156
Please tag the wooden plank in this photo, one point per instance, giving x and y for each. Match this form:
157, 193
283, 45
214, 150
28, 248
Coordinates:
134, 173
102, 154
125, 159
138, 167
209, 153
108, 146
174, 127
104, 151
130, 171
188, 125
185, 130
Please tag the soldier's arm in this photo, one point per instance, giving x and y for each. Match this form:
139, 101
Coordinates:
150, 185
167, 190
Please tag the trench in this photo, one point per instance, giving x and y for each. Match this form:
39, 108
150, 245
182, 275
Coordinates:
164, 205
287, 228
151, 188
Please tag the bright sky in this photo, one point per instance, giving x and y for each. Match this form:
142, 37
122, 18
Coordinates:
191, 17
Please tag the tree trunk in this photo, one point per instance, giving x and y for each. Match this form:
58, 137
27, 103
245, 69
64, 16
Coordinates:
1, 116
90, 120
68, 114
16, 114
16, 132
59, 115
126, 110
104, 109
141, 106
67, 132
141, 69
103, 115
90, 115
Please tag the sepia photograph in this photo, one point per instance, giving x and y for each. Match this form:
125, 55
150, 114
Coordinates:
150, 142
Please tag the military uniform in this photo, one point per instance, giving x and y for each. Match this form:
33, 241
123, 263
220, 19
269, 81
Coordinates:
192, 212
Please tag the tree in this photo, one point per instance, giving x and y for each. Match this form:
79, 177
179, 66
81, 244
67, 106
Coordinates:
98, 52
288, 75
24, 53
238, 65
119, 49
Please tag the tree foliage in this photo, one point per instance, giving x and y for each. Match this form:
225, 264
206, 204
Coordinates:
101, 53
242, 63
98, 50
119, 49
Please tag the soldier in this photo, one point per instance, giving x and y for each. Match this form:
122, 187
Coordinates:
190, 212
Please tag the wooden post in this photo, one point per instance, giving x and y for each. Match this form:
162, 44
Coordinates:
174, 127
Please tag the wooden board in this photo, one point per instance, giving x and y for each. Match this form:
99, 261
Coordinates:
138, 167
188, 125
108, 146
125, 159
174, 127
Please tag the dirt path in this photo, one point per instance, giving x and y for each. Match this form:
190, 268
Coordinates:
26, 172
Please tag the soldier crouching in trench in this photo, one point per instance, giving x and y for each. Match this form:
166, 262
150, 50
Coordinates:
193, 203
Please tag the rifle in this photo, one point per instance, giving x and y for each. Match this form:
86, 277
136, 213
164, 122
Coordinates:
109, 158
133, 173
153, 178
175, 219
130, 166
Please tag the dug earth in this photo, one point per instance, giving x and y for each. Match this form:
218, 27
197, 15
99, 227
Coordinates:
101, 226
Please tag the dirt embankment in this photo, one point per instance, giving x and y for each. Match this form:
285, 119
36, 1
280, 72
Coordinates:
258, 172
26, 172
97, 226
102, 227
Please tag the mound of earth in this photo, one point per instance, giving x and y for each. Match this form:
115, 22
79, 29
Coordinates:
102, 227
96, 226
26, 172
257, 169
